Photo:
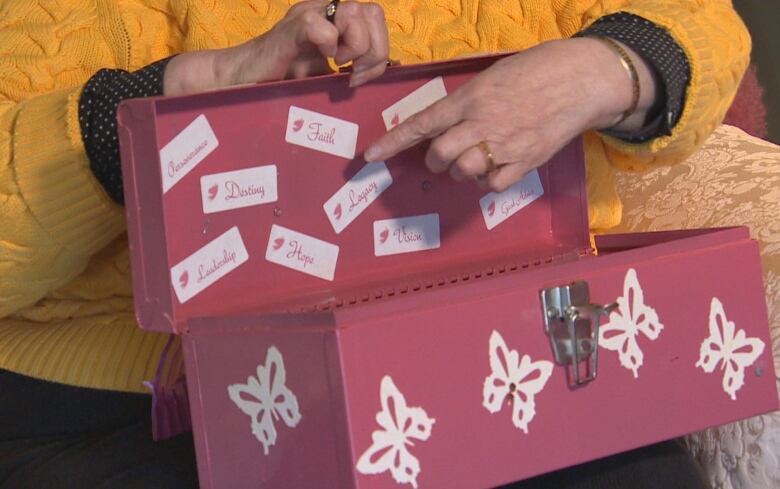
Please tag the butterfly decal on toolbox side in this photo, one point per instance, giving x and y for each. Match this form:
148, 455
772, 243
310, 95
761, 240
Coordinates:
515, 381
400, 425
265, 399
632, 317
735, 352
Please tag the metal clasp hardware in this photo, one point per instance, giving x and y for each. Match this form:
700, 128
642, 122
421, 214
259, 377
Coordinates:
569, 319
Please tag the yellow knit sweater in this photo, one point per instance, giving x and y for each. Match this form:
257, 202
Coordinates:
66, 311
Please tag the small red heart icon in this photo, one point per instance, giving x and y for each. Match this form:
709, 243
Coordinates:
213, 191
297, 125
491, 209
395, 120
337, 211
383, 236
278, 243
184, 279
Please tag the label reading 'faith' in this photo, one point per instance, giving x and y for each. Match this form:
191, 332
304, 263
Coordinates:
321, 132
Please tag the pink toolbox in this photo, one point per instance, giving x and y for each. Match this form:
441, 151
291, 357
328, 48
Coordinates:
353, 325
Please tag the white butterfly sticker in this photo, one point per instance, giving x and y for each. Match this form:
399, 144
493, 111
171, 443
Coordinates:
513, 381
735, 352
265, 399
400, 424
631, 317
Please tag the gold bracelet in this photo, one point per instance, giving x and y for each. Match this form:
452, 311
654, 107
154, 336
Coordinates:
628, 64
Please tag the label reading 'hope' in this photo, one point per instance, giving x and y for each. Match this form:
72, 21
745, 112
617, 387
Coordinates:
185, 151
357, 194
321, 132
407, 234
498, 207
209, 264
303, 253
240, 188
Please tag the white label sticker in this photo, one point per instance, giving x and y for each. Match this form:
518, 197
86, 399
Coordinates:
498, 207
420, 99
183, 153
302, 253
240, 188
357, 194
321, 132
407, 234
209, 264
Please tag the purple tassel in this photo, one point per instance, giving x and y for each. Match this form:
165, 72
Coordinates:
170, 404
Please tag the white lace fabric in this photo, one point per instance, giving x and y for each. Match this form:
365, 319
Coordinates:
734, 179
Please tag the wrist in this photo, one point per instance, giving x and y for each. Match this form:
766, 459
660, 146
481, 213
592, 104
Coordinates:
615, 87
189, 73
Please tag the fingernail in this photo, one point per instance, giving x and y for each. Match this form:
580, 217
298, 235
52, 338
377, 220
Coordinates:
371, 153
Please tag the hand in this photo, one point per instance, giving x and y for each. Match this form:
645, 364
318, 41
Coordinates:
526, 107
296, 47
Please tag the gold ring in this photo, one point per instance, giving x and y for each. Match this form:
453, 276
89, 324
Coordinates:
330, 11
491, 162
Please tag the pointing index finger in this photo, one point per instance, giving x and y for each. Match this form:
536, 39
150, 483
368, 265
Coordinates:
425, 124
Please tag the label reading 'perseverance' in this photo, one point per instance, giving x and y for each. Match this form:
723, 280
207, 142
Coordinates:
357, 194
420, 99
406, 234
498, 207
240, 188
321, 132
184, 152
303, 253
209, 264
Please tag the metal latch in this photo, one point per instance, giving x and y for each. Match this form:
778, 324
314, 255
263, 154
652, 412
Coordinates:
570, 319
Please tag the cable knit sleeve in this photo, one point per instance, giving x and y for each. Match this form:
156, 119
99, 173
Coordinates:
53, 212
717, 45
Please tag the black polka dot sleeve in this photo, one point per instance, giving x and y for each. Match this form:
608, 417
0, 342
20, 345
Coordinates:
659, 49
97, 117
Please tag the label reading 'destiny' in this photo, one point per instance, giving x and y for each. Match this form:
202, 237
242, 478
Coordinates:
357, 194
184, 152
240, 188
498, 207
303, 253
406, 234
321, 132
413, 103
209, 264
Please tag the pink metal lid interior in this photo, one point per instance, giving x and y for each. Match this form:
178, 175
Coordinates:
250, 124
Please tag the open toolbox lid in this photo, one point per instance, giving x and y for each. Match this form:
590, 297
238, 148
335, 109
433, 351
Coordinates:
176, 153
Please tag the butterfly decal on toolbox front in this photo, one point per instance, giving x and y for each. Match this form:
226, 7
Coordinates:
734, 352
514, 381
265, 399
401, 425
632, 317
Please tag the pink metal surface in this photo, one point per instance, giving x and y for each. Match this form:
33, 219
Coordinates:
422, 319
250, 123
434, 345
